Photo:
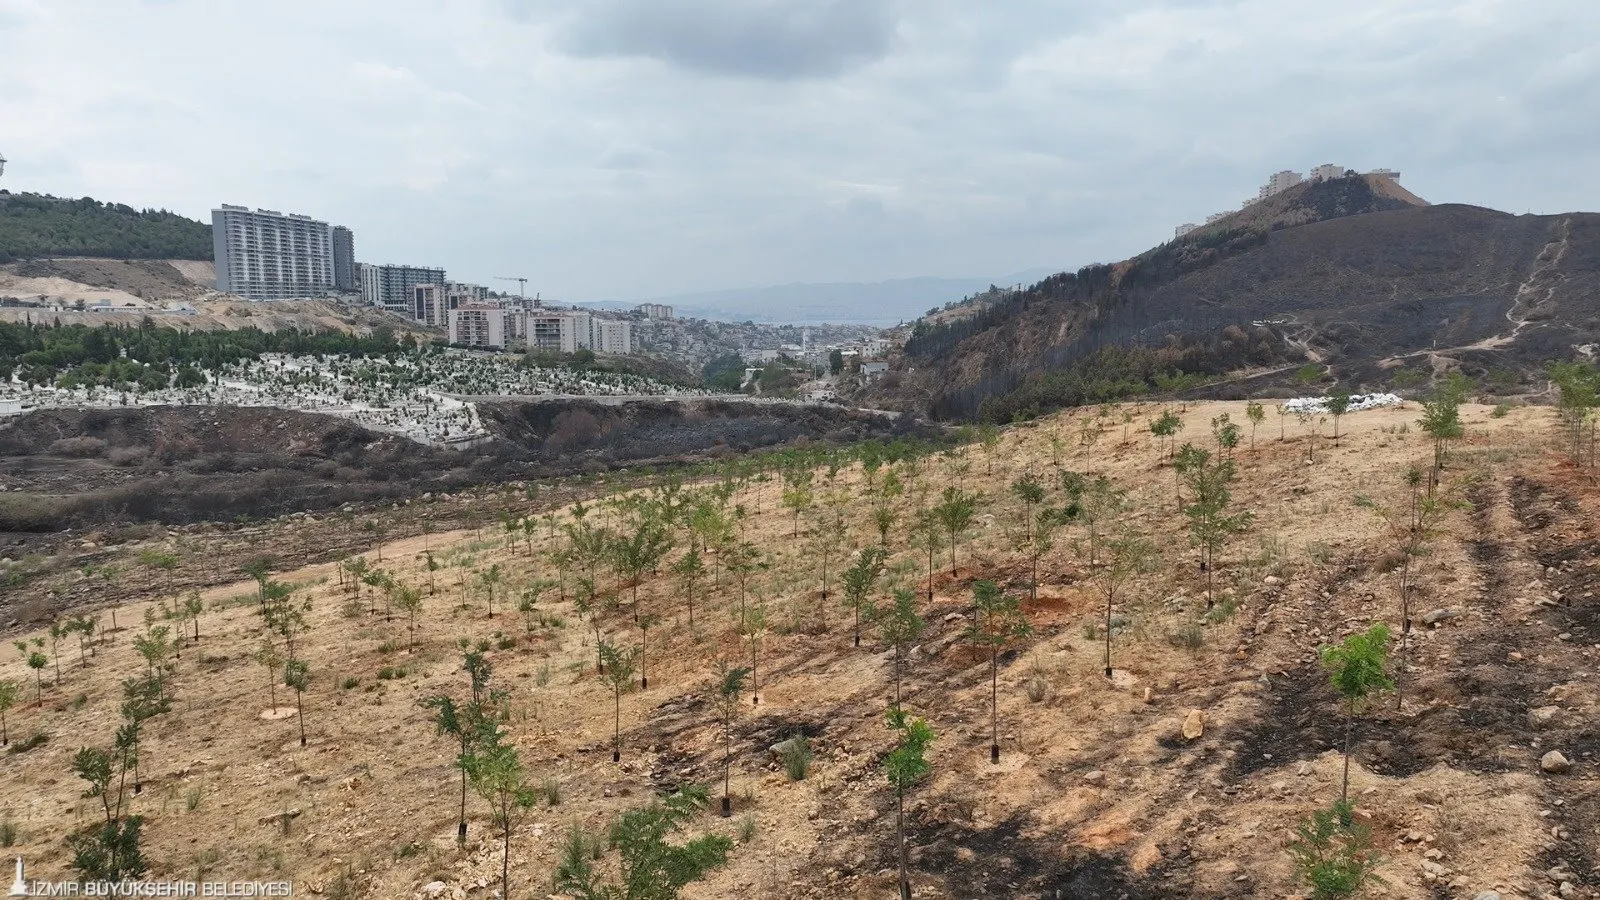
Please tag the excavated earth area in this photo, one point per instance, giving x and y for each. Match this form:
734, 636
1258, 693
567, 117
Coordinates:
1098, 794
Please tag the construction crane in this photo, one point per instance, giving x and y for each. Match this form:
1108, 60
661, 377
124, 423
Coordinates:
522, 284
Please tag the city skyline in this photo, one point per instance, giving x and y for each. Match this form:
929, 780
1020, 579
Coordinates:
616, 149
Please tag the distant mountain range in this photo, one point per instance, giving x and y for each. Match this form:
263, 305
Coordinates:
847, 303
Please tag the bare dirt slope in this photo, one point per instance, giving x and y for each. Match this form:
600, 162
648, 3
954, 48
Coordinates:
1097, 793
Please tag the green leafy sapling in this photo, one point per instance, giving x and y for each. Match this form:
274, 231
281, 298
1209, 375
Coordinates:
620, 665
1333, 852
10, 692
496, 774
297, 676
729, 685
1337, 404
1357, 666
900, 627
906, 765
998, 621
858, 581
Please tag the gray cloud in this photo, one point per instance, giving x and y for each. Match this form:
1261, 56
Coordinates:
774, 39
612, 149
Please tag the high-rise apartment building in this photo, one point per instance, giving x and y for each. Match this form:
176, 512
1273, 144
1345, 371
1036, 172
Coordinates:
394, 287
430, 305
267, 255
344, 260
610, 336
478, 325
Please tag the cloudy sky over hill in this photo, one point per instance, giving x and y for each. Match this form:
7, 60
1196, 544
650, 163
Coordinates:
629, 148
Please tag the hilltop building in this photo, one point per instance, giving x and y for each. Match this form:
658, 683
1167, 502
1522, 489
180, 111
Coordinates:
267, 255
1281, 181
655, 310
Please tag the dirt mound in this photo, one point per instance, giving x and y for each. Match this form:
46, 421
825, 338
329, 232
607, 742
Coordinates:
146, 279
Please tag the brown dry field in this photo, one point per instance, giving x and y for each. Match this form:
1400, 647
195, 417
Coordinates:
1450, 782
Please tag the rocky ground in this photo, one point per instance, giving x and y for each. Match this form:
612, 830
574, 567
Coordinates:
1182, 776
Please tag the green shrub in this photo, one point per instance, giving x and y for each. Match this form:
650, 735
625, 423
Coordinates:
796, 756
36, 740
747, 828
1334, 853
1187, 637
391, 673
350, 683
550, 790
1500, 410
1222, 611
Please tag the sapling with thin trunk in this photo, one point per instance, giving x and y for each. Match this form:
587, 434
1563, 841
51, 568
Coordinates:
1337, 404
36, 661
10, 691
1126, 555
496, 773
858, 580
955, 513
297, 675
753, 628
269, 658
997, 622
905, 766
729, 684
925, 536
899, 626
620, 663
1357, 667
1256, 413
1210, 523
689, 568
1031, 493
646, 622
1412, 528
409, 599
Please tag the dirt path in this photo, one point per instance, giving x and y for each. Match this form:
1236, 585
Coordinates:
1534, 291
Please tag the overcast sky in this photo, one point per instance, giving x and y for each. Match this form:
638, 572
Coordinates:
615, 149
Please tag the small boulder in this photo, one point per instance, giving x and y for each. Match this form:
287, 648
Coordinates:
1435, 616
1194, 725
1095, 777
434, 888
1544, 716
1488, 895
1554, 762
780, 748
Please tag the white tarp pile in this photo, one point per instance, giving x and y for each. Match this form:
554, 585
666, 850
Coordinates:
1358, 402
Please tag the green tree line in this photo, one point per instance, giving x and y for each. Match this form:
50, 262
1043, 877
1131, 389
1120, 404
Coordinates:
38, 225
42, 354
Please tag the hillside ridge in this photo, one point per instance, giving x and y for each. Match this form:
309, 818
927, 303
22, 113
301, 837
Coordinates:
1332, 273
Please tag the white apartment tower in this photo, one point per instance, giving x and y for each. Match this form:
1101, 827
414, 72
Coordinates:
613, 336
478, 325
394, 287
266, 255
